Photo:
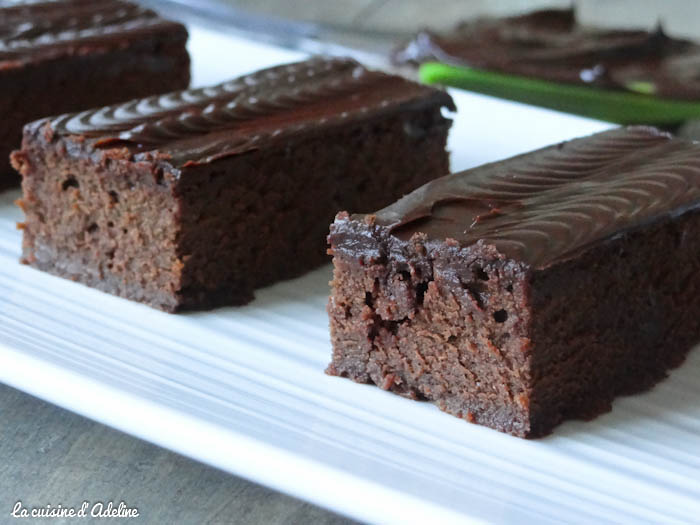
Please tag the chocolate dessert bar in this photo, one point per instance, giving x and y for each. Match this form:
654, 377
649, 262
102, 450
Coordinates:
551, 45
528, 291
195, 198
67, 55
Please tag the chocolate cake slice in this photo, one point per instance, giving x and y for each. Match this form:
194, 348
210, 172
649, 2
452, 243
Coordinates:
195, 198
529, 291
66, 55
551, 44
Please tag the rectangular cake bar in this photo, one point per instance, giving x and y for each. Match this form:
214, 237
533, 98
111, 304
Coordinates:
195, 198
67, 55
529, 291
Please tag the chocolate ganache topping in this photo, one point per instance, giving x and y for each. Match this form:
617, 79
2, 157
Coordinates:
544, 206
201, 125
551, 45
35, 30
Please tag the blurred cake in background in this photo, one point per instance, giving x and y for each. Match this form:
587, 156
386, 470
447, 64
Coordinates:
551, 45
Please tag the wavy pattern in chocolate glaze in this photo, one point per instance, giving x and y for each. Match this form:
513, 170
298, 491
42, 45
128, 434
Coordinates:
30, 28
542, 207
232, 116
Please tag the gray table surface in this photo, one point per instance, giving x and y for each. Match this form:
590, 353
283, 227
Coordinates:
51, 456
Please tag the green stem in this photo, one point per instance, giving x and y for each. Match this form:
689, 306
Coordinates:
613, 106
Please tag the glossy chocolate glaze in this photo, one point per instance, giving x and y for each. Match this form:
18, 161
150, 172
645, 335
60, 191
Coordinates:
551, 45
201, 125
546, 206
35, 30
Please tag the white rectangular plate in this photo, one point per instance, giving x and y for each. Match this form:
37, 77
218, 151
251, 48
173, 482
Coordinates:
244, 389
